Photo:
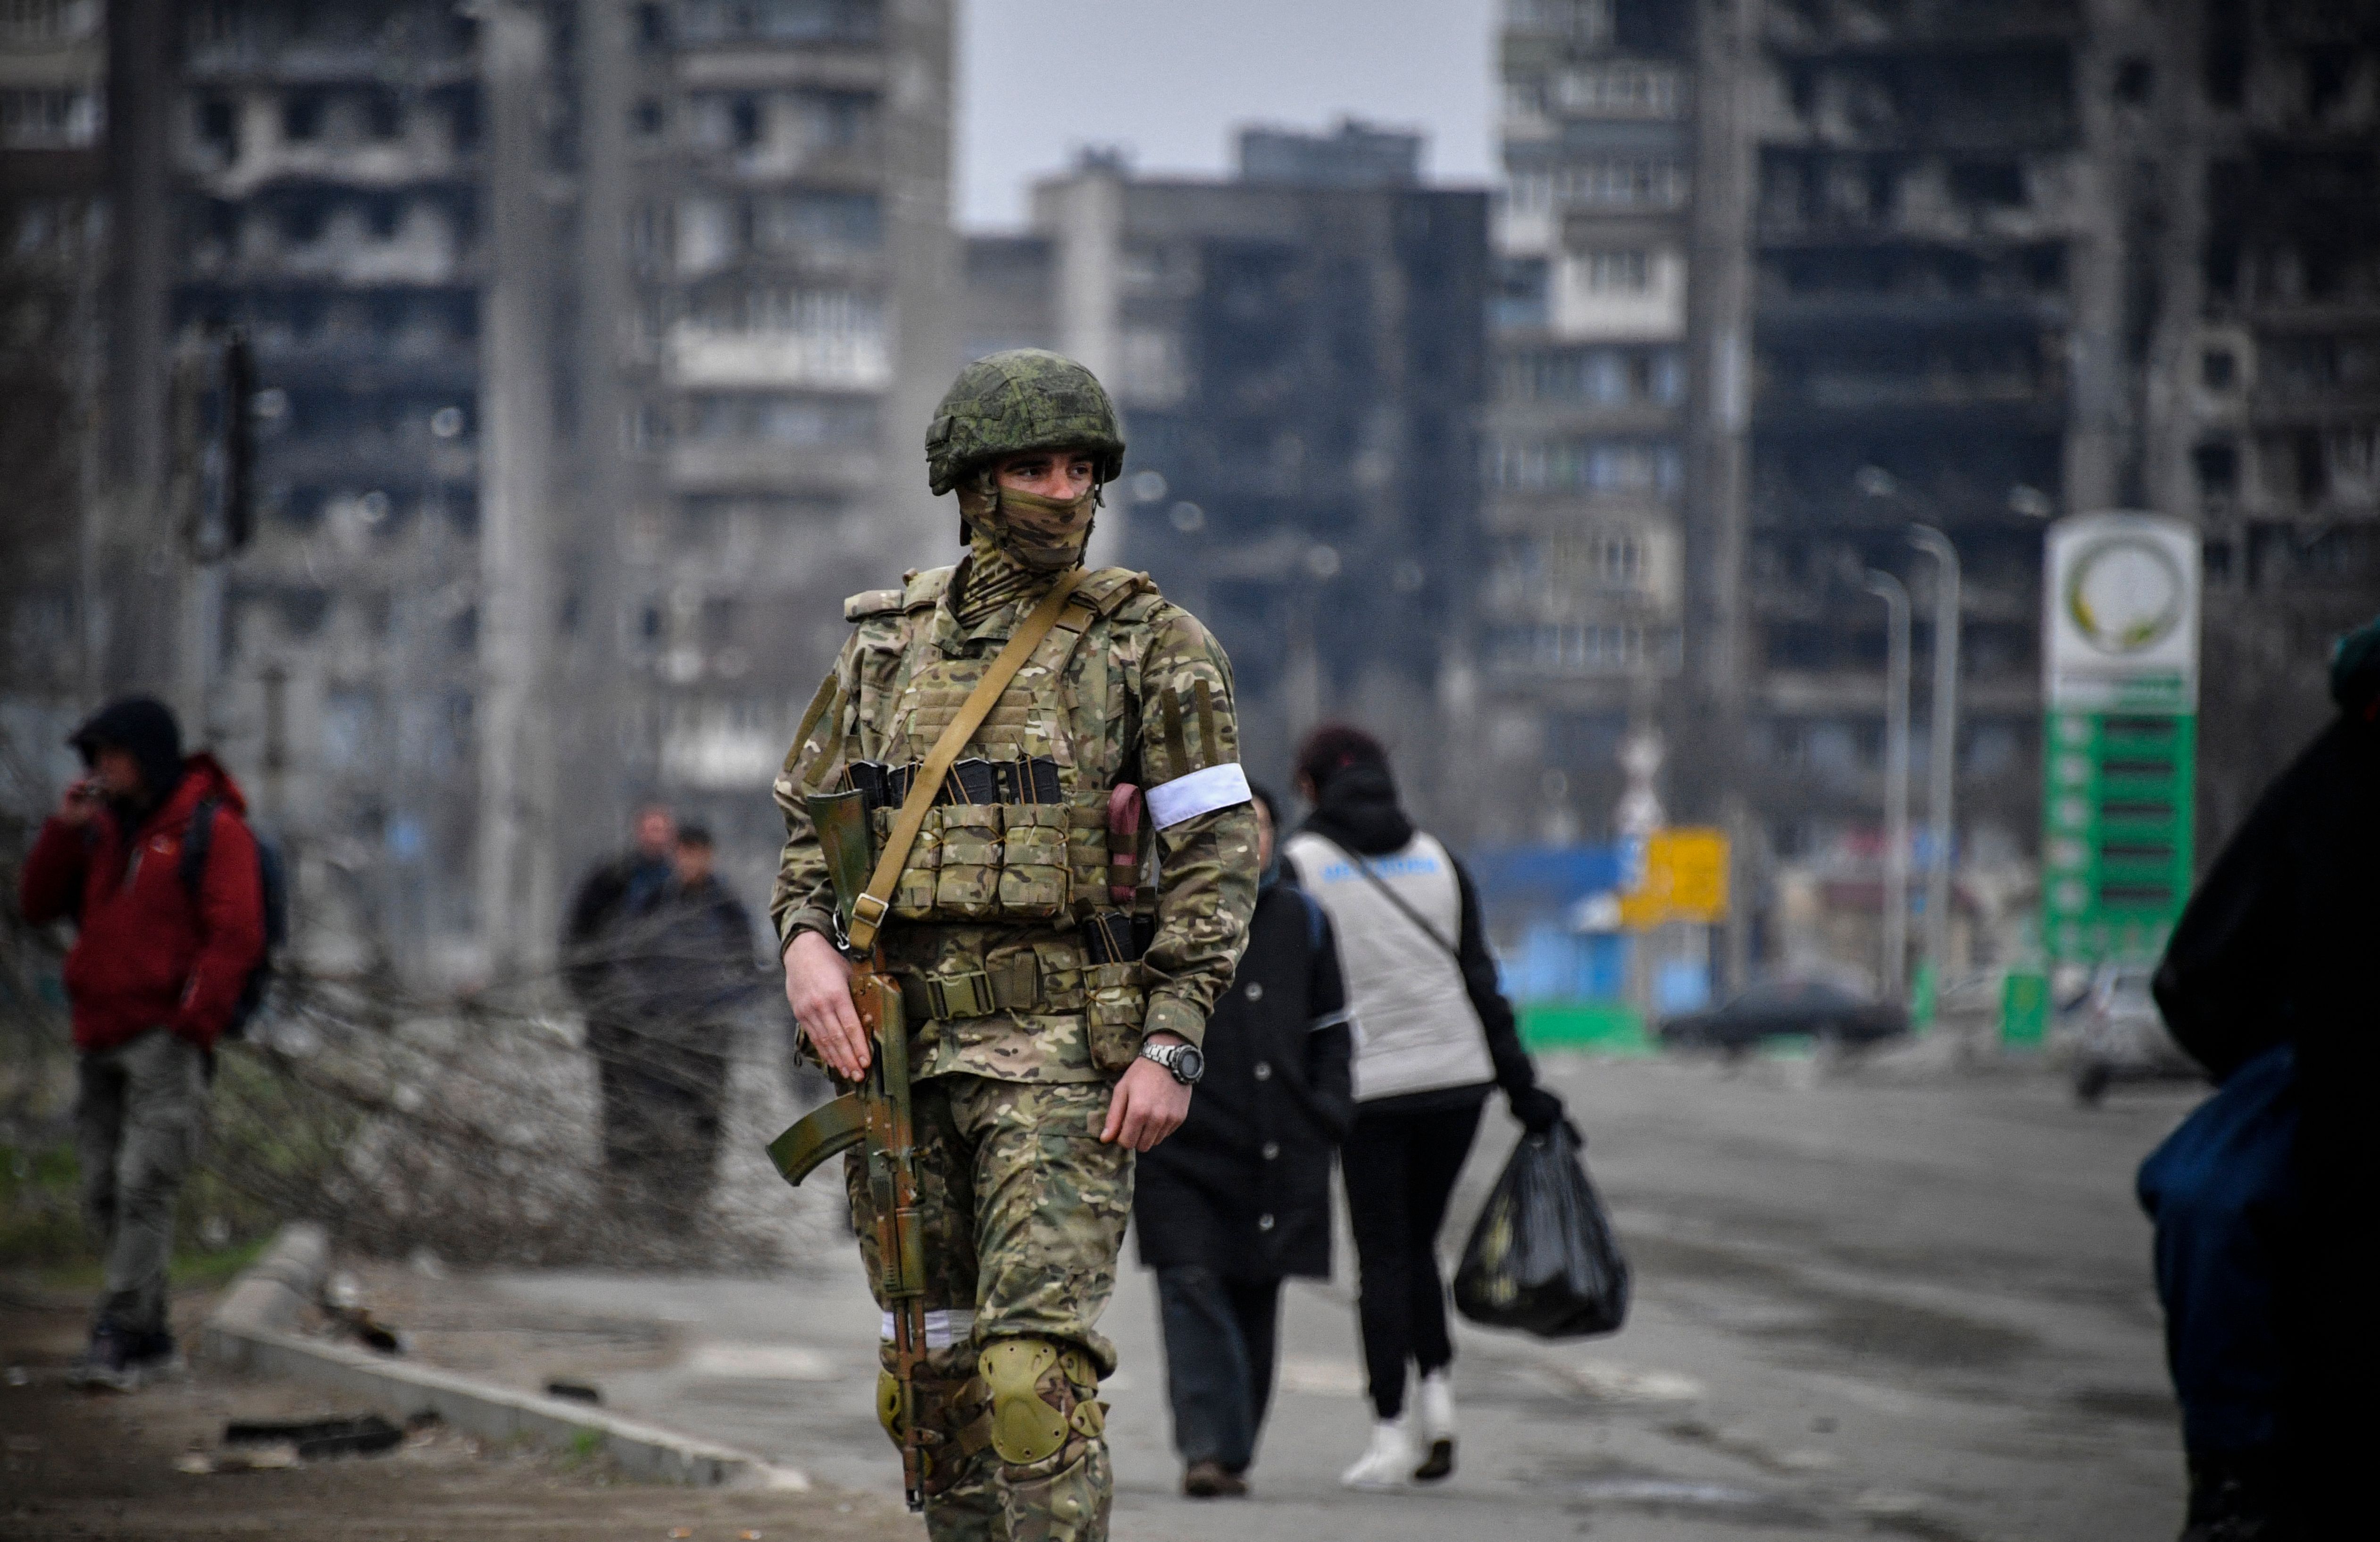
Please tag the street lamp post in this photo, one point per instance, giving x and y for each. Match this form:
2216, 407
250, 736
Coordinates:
1895, 782
1942, 762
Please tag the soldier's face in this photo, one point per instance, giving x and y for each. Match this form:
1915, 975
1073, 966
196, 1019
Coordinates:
1264, 834
1062, 474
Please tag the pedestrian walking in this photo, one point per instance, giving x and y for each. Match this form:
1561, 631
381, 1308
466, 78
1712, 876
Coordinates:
1437, 1035
2261, 1197
1055, 1001
1238, 1198
162, 953
691, 963
611, 966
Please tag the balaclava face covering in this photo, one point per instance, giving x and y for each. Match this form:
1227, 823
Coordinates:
1018, 540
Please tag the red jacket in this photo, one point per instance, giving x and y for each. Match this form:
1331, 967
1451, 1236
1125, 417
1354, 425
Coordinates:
145, 954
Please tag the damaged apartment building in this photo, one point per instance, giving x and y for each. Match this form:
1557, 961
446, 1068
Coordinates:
576, 332
1299, 355
53, 270
1581, 609
1979, 266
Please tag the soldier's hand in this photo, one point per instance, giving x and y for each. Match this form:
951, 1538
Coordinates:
818, 987
1146, 1106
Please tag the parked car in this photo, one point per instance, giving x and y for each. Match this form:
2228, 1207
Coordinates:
1781, 1008
2119, 1035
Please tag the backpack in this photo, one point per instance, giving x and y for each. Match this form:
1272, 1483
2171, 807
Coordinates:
273, 883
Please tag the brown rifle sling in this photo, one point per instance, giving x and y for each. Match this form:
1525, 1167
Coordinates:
868, 912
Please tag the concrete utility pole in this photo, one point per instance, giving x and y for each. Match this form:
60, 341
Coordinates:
144, 551
517, 610
1895, 783
1713, 720
1941, 767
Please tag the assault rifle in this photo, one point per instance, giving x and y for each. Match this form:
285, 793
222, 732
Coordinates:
875, 1112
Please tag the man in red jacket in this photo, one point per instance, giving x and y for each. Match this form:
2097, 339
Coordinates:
158, 965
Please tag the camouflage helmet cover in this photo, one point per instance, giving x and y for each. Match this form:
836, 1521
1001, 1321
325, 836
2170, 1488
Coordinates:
1016, 400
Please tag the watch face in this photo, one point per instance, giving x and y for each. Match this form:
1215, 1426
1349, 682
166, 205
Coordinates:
1189, 1063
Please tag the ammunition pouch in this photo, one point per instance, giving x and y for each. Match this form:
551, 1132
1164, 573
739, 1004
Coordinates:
992, 862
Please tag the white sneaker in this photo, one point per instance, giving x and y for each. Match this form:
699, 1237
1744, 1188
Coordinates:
1434, 1413
1386, 1462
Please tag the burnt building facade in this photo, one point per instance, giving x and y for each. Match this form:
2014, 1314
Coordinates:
579, 395
1299, 354
1979, 266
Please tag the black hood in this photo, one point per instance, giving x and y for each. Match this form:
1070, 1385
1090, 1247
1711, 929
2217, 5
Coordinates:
1357, 807
144, 727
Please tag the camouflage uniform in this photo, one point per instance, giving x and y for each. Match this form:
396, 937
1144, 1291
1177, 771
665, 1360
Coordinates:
1024, 1206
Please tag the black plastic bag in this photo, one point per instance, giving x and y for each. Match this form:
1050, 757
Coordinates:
1542, 1257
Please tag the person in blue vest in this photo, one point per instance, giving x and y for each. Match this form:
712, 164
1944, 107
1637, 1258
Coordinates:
2265, 1198
1238, 1198
1437, 1037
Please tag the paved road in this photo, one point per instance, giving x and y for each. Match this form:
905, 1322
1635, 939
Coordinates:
1866, 1304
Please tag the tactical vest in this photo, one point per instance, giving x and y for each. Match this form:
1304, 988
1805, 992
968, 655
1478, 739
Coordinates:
1008, 861
1014, 863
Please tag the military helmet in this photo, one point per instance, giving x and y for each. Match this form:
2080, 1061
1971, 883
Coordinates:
1016, 400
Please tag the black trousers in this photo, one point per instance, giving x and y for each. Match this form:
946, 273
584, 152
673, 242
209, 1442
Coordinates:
1400, 1170
661, 1108
1221, 1341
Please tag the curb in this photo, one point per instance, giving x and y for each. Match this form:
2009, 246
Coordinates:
251, 1331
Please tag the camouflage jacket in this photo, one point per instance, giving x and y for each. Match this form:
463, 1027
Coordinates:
1144, 696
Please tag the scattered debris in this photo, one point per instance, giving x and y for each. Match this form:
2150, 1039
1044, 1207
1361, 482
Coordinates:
576, 1391
313, 1439
357, 1323
271, 1458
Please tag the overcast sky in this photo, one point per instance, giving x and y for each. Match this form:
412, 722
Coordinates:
1169, 79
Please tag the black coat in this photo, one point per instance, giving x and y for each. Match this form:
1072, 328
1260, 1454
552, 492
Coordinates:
1243, 1186
2278, 944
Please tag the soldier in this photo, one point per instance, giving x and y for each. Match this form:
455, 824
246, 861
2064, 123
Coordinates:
1054, 1025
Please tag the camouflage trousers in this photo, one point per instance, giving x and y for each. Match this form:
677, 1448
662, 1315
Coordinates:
1024, 1212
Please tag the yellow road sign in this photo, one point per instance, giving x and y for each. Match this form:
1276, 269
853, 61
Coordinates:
1685, 880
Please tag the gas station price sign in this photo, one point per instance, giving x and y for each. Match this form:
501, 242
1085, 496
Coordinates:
2120, 740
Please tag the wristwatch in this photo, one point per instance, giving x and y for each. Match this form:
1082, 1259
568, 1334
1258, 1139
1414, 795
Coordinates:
1186, 1062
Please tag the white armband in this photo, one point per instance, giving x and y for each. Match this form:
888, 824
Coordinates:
1201, 791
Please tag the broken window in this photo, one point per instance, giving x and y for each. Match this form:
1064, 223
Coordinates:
219, 126
1617, 273
384, 119
2217, 463
2135, 81
301, 116
1992, 184
822, 224
714, 21
2218, 369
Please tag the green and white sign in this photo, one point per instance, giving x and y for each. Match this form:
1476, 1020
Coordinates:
2120, 748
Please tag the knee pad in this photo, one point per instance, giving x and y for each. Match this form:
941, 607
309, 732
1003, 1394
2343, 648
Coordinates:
1041, 1397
